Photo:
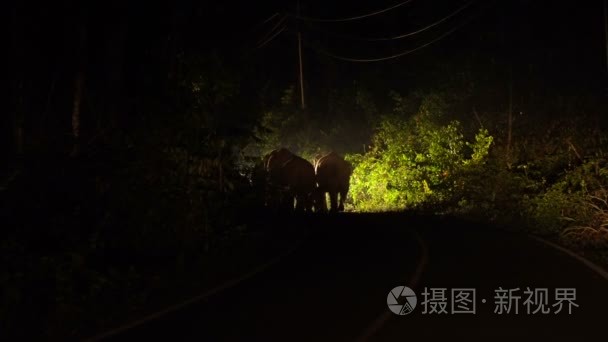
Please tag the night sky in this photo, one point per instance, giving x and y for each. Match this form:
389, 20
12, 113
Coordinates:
561, 40
553, 40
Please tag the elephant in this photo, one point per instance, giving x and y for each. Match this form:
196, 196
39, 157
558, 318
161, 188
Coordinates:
270, 162
333, 177
259, 182
292, 180
277, 158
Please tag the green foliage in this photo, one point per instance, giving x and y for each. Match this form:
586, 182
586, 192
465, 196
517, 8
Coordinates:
412, 161
574, 204
480, 147
552, 210
343, 126
291, 130
591, 228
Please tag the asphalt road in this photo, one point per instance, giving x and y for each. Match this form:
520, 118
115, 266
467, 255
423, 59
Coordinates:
334, 287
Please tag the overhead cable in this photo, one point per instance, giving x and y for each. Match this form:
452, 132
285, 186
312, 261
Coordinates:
405, 35
379, 59
351, 18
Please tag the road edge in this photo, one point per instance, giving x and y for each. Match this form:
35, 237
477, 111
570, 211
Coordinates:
423, 260
211, 292
590, 264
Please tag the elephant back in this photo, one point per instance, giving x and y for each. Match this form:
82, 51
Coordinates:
297, 173
293, 179
277, 158
333, 171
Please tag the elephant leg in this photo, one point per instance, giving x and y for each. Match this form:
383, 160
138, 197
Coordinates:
324, 202
307, 202
291, 199
333, 198
279, 200
286, 202
273, 199
320, 203
300, 202
342, 199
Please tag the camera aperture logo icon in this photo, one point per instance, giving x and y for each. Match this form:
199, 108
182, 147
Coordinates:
401, 300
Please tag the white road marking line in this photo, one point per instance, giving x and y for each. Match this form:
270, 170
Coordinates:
413, 283
194, 299
591, 265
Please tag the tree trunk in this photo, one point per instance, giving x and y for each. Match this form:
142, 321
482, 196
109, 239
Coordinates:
114, 99
18, 120
15, 121
79, 89
510, 120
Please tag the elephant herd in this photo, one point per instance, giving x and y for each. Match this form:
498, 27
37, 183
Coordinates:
289, 178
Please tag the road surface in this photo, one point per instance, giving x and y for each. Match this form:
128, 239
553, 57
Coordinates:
334, 287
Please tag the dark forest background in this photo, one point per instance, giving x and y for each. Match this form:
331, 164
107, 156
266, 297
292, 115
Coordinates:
132, 128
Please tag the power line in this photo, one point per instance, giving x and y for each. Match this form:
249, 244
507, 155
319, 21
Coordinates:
260, 25
268, 36
351, 18
273, 29
401, 54
270, 18
458, 10
261, 45
405, 35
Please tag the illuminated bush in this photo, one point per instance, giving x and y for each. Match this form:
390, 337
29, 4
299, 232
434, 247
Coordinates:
412, 162
341, 125
575, 205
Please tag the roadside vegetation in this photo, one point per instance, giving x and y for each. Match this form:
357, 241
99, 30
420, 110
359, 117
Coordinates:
453, 152
138, 213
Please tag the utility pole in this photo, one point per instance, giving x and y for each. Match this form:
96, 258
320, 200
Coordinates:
301, 67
